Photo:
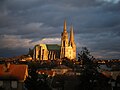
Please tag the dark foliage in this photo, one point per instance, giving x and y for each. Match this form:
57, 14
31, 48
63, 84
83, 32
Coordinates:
85, 57
90, 78
36, 81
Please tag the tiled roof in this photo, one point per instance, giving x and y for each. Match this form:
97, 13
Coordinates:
48, 72
62, 67
16, 71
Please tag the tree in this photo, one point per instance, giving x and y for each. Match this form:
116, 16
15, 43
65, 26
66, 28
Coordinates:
90, 78
85, 56
36, 81
89, 73
31, 82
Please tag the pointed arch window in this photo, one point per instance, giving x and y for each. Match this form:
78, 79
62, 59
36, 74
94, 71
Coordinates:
64, 43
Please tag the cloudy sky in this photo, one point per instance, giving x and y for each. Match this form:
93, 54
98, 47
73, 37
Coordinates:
25, 23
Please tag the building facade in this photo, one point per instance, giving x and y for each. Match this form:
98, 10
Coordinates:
67, 49
12, 76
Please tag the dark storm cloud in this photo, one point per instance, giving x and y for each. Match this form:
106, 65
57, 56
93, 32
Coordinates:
8, 52
104, 44
96, 23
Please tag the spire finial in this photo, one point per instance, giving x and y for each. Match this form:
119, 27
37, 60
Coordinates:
71, 33
65, 26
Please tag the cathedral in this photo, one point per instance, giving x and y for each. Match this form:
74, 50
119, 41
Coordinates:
67, 49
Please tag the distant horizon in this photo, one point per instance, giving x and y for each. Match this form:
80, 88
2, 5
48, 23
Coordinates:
11, 56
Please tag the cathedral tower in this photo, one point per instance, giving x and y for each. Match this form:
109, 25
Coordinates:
72, 42
64, 41
67, 49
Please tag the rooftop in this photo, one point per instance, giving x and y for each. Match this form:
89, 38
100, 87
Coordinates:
53, 46
14, 71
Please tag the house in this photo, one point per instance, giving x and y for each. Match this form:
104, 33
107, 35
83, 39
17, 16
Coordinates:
12, 76
61, 69
47, 72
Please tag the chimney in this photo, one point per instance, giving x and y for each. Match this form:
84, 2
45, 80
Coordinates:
6, 66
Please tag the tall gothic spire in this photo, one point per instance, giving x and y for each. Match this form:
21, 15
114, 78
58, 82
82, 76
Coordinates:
71, 35
65, 26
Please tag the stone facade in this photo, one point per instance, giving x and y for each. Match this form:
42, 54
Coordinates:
67, 49
46, 52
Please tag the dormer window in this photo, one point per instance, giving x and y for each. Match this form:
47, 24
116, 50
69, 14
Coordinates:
14, 84
1, 83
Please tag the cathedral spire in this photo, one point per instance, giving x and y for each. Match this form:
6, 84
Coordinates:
65, 26
71, 35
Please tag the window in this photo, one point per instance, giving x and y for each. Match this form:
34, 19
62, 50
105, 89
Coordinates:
1, 83
14, 84
63, 43
43, 52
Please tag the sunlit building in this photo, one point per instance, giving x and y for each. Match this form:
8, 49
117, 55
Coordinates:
67, 49
12, 76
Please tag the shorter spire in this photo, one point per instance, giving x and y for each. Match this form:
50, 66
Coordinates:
65, 26
71, 34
